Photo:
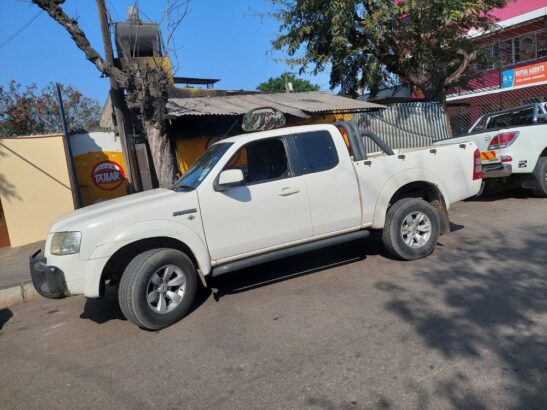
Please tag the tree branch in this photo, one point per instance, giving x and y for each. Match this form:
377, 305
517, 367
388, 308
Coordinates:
467, 59
52, 7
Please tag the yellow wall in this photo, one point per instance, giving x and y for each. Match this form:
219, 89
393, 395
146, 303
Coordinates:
189, 149
34, 186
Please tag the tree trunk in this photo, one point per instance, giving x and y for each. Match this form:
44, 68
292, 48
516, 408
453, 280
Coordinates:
433, 93
162, 154
147, 91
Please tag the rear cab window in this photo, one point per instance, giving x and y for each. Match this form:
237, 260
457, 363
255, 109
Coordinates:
315, 152
512, 119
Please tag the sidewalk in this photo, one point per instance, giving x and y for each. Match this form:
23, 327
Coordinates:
15, 282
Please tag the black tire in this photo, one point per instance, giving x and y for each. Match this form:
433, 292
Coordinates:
392, 235
540, 178
136, 282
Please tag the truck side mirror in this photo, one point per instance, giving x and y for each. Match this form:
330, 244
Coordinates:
229, 178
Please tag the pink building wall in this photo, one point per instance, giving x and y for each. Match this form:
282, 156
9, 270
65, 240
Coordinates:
518, 7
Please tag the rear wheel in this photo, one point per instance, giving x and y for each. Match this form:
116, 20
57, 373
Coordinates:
411, 229
540, 178
157, 288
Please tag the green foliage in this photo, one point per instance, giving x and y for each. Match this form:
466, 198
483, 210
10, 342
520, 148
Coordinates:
423, 41
277, 84
27, 111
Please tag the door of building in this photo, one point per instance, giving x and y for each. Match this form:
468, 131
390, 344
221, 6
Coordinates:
4, 237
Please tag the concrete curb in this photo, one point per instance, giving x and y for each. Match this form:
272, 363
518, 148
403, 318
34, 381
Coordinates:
18, 294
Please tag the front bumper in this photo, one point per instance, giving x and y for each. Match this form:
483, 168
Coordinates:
498, 170
49, 281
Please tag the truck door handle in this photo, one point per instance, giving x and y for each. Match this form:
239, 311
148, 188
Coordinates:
286, 191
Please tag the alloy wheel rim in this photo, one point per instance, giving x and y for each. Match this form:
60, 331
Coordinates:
165, 289
416, 229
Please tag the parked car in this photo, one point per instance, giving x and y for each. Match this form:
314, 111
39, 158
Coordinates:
250, 199
513, 146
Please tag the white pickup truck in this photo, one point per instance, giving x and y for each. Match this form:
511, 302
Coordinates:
247, 200
513, 145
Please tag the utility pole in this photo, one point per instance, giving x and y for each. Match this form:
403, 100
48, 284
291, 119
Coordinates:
68, 153
119, 107
288, 83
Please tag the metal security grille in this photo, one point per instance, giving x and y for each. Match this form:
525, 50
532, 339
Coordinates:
405, 125
463, 114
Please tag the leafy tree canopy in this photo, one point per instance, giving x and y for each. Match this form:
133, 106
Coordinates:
426, 42
27, 111
277, 84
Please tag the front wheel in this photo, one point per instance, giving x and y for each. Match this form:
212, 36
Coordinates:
411, 229
157, 288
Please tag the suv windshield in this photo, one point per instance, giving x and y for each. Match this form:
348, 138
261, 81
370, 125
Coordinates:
201, 168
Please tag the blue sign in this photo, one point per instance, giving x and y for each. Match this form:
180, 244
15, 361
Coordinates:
508, 79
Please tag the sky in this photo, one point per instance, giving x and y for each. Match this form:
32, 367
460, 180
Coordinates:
225, 39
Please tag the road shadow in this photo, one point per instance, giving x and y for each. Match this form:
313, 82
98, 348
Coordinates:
5, 316
497, 195
297, 266
103, 310
483, 305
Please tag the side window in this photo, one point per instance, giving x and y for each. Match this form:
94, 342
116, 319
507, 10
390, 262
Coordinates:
316, 151
261, 161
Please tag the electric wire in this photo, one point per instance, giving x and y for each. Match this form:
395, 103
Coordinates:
20, 30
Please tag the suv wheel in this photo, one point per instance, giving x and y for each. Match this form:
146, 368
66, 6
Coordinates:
157, 288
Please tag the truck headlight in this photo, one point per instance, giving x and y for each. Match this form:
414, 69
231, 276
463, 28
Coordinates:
65, 243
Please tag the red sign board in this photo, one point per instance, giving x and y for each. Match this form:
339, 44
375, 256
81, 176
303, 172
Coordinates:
107, 175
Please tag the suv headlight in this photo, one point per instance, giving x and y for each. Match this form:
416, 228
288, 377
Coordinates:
66, 243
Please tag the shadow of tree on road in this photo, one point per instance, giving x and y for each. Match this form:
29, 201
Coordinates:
487, 300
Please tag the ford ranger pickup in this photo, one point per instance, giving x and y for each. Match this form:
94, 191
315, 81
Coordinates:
250, 199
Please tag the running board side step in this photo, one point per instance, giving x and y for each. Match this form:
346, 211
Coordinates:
284, 253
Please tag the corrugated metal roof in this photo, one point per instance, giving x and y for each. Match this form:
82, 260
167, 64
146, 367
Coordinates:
300, 105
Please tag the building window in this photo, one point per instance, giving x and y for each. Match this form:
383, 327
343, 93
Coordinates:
515, 50
540, 36
506, 52
525, 48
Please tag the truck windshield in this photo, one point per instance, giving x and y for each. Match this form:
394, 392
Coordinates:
201, 168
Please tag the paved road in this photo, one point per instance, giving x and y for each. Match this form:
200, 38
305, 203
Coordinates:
344, 328
14, 264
